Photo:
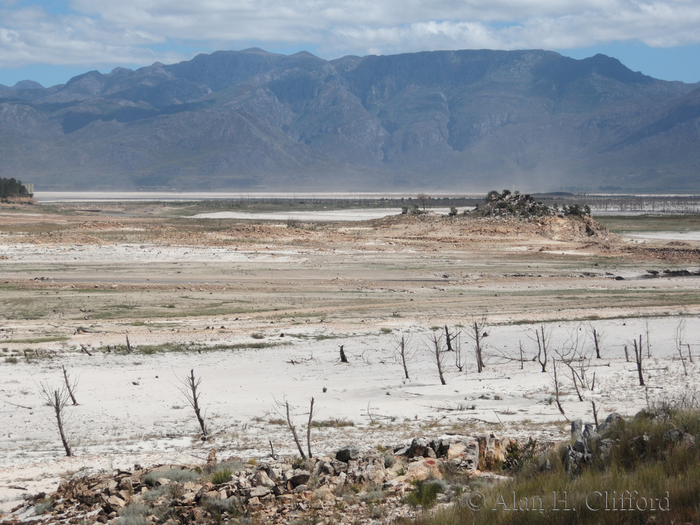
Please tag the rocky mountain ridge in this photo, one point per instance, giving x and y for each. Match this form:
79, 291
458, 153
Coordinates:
451, 120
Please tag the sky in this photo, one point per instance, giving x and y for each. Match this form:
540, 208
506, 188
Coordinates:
50, 41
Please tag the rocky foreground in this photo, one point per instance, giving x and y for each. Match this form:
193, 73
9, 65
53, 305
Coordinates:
346, 488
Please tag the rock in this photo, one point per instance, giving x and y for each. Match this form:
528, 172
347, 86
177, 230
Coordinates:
610, 421
299, 477
589, 432
116, 502
427, 468
574, 459
323, 494
419, 448
605, 446
347, 453
639, 444
673, 435
440, 446
580, 446
490, 451
259, 492
456, 450
577, 429
401, 450
261, 479
688, 440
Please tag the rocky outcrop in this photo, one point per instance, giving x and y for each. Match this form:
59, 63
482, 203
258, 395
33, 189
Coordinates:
274, 492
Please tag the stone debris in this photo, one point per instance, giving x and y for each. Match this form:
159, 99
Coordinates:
348, 487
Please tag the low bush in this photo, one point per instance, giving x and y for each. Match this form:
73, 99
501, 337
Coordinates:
175, 474
651, 475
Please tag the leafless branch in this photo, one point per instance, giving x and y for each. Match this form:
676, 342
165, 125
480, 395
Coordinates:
57, 399
191, 394
438, 354
70, 386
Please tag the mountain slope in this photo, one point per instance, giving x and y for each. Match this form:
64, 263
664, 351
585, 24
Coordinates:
458, 120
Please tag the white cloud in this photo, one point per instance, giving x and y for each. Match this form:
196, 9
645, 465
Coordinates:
136, 31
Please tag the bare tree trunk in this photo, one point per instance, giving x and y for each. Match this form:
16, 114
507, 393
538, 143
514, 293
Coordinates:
542, 348
57, 400
402, 354
627, 355
69, 387
520, 343
191, 394
556, 388
575, 381
437, 353
58, 409
638, 357
595, 414
448, 339
596, 342
128, 345
293, 429
308, 428
477, 334
678, 335
648, 341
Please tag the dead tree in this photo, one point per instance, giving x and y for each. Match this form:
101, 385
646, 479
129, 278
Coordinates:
308, 427
648, 341
678, 335
595, 409
542, 337
70, 387
574, 356
438, 355
191, 394
520, 345
343, 357
477, 332
292, 427
597, 340
638, 358
403, 353
423, 198
128, 345
449, 338
556, 388
57, 399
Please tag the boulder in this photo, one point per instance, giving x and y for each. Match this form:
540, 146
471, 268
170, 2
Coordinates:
426, 468
347, 453
299, 477
259, 492
577, 429
610, 421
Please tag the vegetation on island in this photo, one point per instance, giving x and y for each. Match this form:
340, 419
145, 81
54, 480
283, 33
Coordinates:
12, 188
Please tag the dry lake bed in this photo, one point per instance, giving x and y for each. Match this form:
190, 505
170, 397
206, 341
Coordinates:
259, 309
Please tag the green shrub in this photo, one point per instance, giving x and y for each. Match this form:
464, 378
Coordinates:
424, 494
221, 476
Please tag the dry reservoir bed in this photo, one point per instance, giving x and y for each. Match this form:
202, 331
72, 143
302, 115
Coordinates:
259, 312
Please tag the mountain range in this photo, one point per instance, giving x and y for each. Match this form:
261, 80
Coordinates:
443, 120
